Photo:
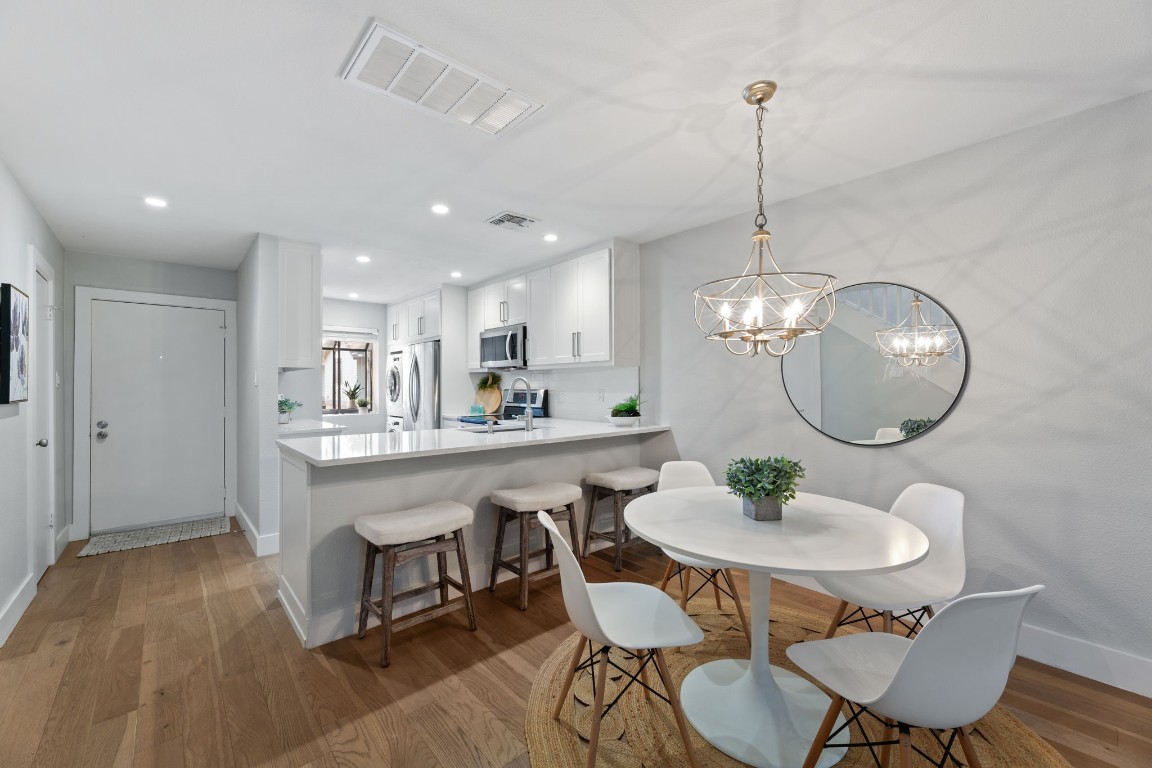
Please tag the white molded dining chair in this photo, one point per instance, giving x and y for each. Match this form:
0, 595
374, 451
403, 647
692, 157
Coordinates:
949, 676
906, 596
693, 474
889, 434
636, 617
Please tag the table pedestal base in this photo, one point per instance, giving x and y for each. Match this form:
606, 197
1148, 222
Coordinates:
768, 726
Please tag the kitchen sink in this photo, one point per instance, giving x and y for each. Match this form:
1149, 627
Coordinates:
512, 427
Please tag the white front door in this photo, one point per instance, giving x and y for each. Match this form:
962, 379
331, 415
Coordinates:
157, 417
42, 390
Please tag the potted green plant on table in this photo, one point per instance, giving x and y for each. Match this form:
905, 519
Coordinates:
626, 413
362, 406
284, 407
765, 485
910, 427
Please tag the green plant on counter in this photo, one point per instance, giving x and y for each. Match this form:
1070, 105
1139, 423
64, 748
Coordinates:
352, 391
287, 404
490, 381
751, 478
910, 427
627, 407
362, 403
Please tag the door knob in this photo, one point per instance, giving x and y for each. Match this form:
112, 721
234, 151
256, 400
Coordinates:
42, 442
101, 434
101, 424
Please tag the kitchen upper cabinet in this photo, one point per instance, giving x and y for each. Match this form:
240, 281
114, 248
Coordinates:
423, 318
397, 323
506, 302
300, 305
540, 337
475, 326
582, 309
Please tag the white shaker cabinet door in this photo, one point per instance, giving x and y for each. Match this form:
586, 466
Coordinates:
475, 326
431, 315
516, 300
594, 337
540, 320
565, 311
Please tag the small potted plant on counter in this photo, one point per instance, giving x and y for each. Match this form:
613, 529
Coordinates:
284, 407
362, 406
352, 392
766, 485
626, 413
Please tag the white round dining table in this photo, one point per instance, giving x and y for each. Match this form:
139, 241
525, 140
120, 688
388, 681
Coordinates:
759, 714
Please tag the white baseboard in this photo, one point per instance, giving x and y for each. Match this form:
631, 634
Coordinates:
1106, 665
262, 546
295, 610
15, 607
63, 536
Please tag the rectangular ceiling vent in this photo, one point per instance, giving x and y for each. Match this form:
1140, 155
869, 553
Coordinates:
512, 221
388, 63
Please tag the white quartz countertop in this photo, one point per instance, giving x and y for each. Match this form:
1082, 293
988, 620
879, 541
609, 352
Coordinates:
301, 427
334, 450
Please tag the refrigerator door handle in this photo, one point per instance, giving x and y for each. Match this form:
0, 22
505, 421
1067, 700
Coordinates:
414, 390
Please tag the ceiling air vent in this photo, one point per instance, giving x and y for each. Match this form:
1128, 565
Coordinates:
513, 221
388, 63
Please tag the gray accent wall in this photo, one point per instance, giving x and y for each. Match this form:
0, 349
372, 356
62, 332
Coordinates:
1037, 242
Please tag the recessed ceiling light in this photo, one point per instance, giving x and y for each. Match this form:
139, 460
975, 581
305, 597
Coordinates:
363, 259
551, 238
156, 202
456, 274
440, 208
353, 295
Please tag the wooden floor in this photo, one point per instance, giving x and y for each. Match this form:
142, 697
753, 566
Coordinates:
180, 655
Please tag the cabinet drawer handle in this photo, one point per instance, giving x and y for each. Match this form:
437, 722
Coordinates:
573, 344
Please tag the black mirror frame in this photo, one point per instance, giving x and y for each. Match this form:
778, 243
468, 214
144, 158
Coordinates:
943, 416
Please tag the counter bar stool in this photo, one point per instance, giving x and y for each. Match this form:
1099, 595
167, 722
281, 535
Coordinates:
521, 504
405, 535
622, 485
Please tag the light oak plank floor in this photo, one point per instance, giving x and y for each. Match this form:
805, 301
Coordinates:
180, 655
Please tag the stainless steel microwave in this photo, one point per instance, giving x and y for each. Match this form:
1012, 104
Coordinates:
504, 347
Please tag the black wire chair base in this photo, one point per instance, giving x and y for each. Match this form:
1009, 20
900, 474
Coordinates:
911, 621
947, 758
710, 576
646, 656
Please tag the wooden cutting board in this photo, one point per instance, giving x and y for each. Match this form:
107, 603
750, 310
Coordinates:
489, 399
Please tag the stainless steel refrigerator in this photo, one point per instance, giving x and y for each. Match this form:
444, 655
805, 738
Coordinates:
422, 386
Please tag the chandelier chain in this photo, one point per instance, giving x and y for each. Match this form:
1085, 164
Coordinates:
761, 219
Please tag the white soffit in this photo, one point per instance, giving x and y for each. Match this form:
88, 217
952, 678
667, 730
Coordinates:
387, 63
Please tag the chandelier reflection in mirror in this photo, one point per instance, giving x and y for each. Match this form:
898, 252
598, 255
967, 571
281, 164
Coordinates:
764, 311
915, 342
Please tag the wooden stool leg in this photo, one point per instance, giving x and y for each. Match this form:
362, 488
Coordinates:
442, 572
970, 755
667, 574
674, 700
822, 732
618, 523
836, 619
570, 677
598, 711
549, 548
366, 594
572, 530
739, 604
386, 605
498, 552
525, 529
590, 518
465, 577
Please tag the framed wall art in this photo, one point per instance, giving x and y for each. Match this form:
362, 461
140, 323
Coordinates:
15, 319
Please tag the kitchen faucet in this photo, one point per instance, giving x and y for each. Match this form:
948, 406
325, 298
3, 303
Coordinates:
527, 400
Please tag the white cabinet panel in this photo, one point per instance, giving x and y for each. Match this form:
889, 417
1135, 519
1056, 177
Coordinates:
594, 335
539, 319
300, 307
475, 326
565, 311
493, 305
397, 322
422, 317
516, 300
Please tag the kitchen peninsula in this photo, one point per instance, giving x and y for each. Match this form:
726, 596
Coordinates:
326, 482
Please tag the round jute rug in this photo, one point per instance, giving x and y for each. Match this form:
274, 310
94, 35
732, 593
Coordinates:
640, 732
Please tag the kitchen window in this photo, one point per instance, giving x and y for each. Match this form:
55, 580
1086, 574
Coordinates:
347, 358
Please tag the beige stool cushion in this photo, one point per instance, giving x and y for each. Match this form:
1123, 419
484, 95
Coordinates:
624, 479
408, 525
533, 498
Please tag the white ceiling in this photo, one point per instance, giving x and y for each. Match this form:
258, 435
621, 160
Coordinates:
235, 112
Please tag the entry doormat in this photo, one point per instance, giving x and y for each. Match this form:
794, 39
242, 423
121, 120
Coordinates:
150, 537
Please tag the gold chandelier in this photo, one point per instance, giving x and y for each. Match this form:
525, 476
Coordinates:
764, 311
915, 342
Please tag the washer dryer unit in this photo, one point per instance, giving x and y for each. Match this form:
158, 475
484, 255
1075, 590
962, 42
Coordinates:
395, 385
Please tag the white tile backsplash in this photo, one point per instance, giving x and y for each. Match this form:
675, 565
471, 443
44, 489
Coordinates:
585, 393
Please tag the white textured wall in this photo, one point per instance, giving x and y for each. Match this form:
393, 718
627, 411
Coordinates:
21, 225
1038, 243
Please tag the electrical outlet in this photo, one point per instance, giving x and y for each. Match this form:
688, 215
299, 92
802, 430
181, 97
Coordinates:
600, 394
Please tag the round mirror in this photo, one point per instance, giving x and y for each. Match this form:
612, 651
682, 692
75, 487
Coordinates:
890, 366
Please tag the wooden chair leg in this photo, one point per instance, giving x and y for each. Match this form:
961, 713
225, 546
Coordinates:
822, 732
442, 572
905, 747
571, 507
686, 588
970, 755
465, 577
386, 605
889, 735
739, 604
498, 552
888, 622
639, 653
928, 610
525, 529
598, 711
674, 700
836, 619
715, 587
366, 594
667, 574
618, 523
570, 677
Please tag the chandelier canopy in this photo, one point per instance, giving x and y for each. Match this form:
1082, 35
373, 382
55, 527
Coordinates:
764, 309
915, 342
